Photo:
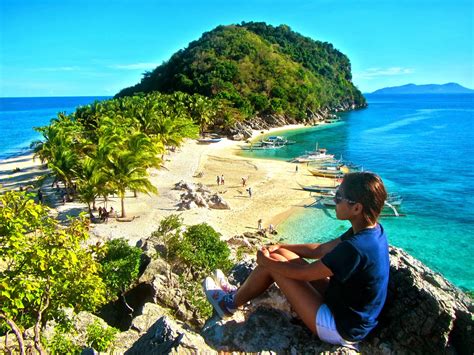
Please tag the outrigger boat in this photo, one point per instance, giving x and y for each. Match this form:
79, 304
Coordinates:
209, 140
319, 189
260, 146
319, 154
393, 200
330, 171
276, 141
272, 142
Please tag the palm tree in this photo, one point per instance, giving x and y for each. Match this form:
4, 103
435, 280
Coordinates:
202, 111
61, 147
89, 179
127, 162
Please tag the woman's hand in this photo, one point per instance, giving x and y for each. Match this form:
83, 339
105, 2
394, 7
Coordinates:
262, 256
272, 248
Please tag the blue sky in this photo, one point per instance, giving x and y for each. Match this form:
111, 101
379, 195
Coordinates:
97, 47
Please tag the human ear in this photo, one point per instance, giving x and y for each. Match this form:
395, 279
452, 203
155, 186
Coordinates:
357, 208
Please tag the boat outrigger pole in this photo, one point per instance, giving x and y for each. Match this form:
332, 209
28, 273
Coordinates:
393, 209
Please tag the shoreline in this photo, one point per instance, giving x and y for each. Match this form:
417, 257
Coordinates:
276, 194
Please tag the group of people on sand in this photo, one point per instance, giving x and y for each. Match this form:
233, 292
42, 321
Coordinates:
271, 228
340, 295
104, 215
220, 180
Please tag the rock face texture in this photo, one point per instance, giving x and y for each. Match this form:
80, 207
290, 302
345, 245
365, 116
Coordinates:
423, 310
243, 130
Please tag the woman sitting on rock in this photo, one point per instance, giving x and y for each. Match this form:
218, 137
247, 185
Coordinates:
339, 296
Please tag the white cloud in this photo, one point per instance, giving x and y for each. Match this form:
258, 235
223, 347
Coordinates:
135, 66
380, 72
65, 68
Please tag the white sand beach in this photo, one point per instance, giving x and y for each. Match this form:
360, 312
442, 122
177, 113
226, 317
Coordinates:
275, 190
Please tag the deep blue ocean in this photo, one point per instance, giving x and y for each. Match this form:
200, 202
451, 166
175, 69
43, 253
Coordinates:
421, 145
19, 115
423, 148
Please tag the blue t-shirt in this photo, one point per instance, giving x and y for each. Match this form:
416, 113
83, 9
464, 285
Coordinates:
358, 288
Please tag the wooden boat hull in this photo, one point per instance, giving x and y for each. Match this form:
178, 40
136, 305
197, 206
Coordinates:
209, 140
319, 189
326, 173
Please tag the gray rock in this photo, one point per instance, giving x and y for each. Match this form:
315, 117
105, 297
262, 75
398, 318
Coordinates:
155, 332
217, 202
423, 310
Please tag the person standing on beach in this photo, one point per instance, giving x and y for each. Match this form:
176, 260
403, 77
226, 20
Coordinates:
340, 295
249, 190
218, 180
271, 229
259, 224
222, 179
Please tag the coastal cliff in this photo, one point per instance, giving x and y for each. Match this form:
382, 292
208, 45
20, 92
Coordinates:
255, 71
424, 313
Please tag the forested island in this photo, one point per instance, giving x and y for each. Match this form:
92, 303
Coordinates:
257, 69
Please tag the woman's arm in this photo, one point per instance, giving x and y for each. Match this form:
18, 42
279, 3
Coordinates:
310, 250
304, 272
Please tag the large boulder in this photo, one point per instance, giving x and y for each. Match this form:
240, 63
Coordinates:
217, 202
199, 196
423, 311
156, 332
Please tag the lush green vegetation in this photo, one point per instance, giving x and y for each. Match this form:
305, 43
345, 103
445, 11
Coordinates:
120, 266
194, 253
200, 249
100, 338
43, 268
257, 68
107, 147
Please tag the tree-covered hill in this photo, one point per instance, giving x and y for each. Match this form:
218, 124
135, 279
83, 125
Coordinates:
258, 68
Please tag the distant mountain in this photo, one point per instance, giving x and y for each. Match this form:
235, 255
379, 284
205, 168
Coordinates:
449, 88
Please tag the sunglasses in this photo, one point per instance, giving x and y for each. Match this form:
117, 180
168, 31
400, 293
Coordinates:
338, 198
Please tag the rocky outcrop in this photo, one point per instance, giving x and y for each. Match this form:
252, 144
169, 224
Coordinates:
199, 196
423, 310
424, 313
243, 130
156, 332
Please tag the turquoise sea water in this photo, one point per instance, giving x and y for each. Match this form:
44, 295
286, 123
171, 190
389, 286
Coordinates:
423, 148
19, 115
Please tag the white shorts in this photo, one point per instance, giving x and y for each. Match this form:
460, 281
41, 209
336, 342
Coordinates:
326, 328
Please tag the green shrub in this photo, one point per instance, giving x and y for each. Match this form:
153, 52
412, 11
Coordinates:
169, 224
60, 343
200, 249
170, 227
194, 294
120, 266
100, 338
